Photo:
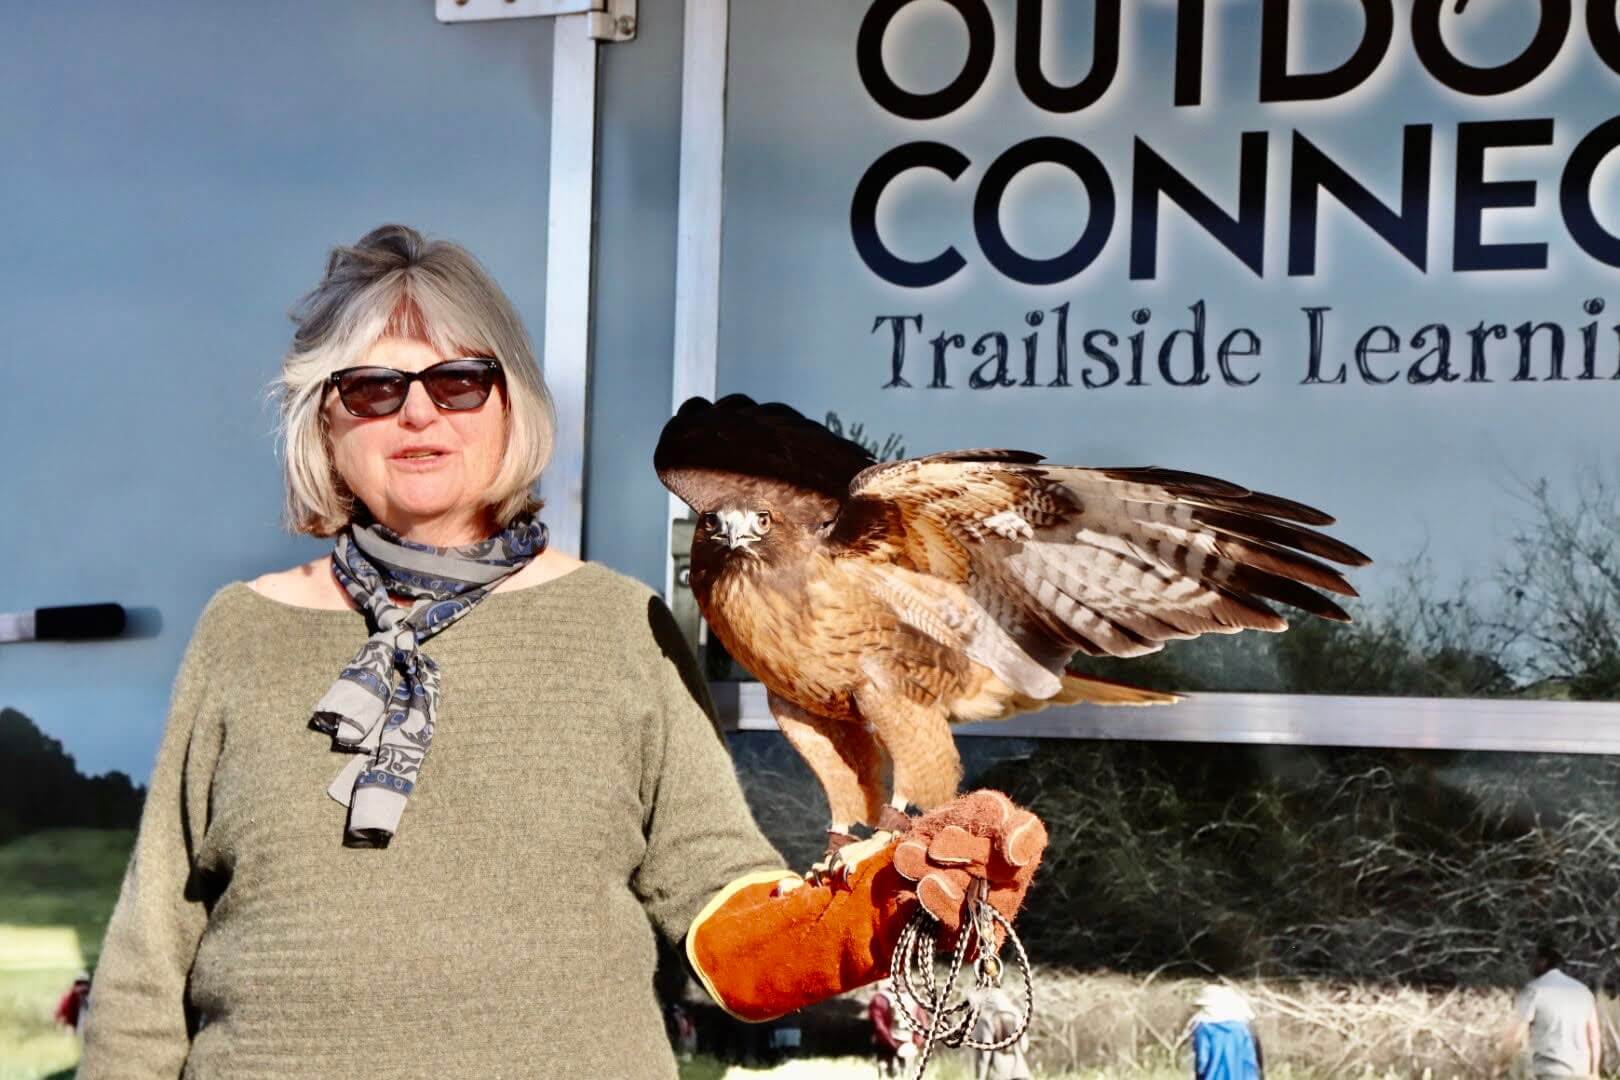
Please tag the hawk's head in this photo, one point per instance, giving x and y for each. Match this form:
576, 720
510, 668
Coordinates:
749, 516
753, 526
762, 478
735, 528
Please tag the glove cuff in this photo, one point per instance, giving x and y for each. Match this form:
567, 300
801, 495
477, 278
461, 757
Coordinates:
761, 956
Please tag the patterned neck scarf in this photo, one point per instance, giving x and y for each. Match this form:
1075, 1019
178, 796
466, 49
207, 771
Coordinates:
381, 708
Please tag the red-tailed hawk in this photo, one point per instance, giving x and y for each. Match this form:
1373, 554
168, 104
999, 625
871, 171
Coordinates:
880, 603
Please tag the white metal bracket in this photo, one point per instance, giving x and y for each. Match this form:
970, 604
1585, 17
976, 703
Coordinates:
609, 20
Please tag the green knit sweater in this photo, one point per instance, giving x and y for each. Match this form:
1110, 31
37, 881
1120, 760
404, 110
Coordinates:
576, 799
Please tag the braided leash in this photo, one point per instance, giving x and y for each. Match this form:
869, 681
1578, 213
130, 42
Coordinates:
912, 969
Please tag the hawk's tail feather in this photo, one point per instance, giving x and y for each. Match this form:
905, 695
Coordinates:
1090, 690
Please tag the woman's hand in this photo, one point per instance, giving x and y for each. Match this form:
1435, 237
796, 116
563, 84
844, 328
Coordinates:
980, 835
766, 946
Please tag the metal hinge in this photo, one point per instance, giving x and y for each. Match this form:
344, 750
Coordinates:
610, 20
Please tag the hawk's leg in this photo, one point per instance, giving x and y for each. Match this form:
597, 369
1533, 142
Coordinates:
841, 859
845, 758
927, 767
893, 818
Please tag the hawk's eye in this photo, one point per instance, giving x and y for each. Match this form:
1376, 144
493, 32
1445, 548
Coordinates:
710, 521
762, 521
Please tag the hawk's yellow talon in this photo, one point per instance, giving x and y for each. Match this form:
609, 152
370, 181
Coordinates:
846, 859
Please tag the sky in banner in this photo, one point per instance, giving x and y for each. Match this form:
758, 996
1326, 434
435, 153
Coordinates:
1407, 466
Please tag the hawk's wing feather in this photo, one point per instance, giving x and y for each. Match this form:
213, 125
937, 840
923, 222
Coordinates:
1156, 485
1100, 561
949, 616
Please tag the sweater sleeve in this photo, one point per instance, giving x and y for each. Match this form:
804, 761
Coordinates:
700, 833
140, 1029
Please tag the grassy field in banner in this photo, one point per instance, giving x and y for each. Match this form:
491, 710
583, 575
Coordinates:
57, 888
952, 1065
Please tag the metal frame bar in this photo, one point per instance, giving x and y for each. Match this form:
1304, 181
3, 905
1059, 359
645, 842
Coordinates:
577, 29
609, 20
698, 224
448, 11
570, 236
1549, 727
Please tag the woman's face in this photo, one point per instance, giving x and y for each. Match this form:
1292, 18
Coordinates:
433, 499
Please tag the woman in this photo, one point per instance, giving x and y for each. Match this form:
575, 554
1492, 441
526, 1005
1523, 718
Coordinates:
446, 853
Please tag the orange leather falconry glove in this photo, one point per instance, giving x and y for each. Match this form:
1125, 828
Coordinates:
768, 944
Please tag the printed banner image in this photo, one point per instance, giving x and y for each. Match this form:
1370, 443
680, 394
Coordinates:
1361, 255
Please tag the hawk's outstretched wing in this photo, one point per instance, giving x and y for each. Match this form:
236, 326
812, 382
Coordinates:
1100, 561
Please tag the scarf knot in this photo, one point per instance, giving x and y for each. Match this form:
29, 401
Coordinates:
405, 649
381, 710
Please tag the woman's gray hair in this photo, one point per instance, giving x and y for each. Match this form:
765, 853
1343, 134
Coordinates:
392, 282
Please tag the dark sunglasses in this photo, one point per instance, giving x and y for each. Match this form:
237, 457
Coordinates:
458, 384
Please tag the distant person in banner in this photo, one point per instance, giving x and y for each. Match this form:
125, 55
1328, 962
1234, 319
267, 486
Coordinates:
682, 1032
894, 1030
998, 1020
74, 1008
1225, 1046
786, 1040
423, 802
1556, 1017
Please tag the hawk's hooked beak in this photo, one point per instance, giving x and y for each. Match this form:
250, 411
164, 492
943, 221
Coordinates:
736, 529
